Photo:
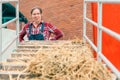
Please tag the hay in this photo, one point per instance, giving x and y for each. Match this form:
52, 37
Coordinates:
65, 62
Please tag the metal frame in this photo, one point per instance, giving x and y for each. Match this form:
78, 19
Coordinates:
5, 1
0, 27
16, 19
5, 24
103, 1
100, 28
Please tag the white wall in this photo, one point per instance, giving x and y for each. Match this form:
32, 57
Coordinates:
7, 36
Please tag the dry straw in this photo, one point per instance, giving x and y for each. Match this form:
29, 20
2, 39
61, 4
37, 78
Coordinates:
66, 61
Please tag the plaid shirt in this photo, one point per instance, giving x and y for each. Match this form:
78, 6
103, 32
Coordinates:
48, 29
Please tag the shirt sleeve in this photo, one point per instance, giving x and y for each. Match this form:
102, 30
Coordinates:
57, 32
23, 33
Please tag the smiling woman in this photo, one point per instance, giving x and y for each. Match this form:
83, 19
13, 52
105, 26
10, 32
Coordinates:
36, 14
38, 29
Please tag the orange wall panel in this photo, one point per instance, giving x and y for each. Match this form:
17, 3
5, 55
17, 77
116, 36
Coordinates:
111, 20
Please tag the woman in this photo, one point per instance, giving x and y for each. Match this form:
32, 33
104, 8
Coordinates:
39, 30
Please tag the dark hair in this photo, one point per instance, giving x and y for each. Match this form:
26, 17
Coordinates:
36, 8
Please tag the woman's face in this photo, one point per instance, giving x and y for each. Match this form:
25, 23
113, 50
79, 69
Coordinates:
36, 15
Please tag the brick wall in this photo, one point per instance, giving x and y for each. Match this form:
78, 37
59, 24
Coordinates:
67, 15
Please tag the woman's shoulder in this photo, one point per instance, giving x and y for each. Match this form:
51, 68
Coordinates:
27, 24
48, 24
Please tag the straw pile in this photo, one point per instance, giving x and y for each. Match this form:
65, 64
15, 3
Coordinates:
74, 62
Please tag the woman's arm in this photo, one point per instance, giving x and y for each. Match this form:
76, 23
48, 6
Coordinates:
23, 33
57, 32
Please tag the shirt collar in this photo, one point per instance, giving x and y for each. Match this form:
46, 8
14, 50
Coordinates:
38, 24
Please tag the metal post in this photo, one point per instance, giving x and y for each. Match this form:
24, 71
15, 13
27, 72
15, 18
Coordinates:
118, 79
0, 30
99, 34
84, 21
17, 22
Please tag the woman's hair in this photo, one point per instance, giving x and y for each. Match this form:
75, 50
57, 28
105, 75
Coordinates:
36, 8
